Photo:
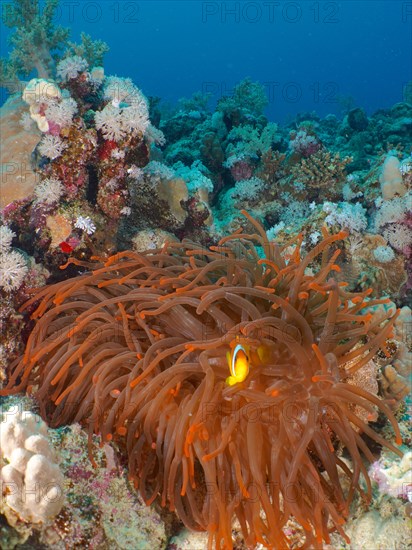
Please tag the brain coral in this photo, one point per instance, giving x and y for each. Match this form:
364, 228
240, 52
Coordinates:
140, 349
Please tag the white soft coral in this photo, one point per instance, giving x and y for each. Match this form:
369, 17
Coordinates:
13, 269
126, 114
71, 67
61, 112
49, 191
6, 237
117, 123
345, 215
51, 146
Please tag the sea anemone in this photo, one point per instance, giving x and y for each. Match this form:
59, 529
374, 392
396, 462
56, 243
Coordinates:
223, 374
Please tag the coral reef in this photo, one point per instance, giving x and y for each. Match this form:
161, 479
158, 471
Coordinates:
394, 478
91, 168
102, 510
38, 43
396, 369
18, 178
389, 532
94, 505
31, 482
165, 397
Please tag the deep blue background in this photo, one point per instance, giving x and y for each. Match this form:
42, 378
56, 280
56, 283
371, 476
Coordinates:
308, 53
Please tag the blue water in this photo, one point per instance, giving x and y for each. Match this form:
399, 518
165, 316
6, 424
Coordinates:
311, 55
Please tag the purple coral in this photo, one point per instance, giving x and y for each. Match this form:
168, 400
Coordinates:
304, 144
241, 170
394, 479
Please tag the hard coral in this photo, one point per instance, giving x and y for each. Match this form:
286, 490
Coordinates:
137, 350
321, 170
31, 482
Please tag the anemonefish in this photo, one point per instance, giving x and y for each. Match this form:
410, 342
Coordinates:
241, 357
238, 361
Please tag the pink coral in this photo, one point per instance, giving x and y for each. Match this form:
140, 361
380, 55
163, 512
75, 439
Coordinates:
241, 170
304, 143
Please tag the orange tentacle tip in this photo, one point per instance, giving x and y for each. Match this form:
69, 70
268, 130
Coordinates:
175, 391
121, 430
190, 347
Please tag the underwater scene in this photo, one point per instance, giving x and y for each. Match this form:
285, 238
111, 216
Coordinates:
205, 275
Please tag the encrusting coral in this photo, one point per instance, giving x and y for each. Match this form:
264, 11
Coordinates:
31, 482
223, 373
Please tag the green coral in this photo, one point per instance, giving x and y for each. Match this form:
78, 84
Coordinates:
35, 40
247, 141
37, 43
407, 92
197, 102
248, 96
91, 50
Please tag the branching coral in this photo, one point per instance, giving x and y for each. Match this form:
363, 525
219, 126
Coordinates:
34, 40
246, 142
321, 170
248, 97
91, 50
137, 349
37, 42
